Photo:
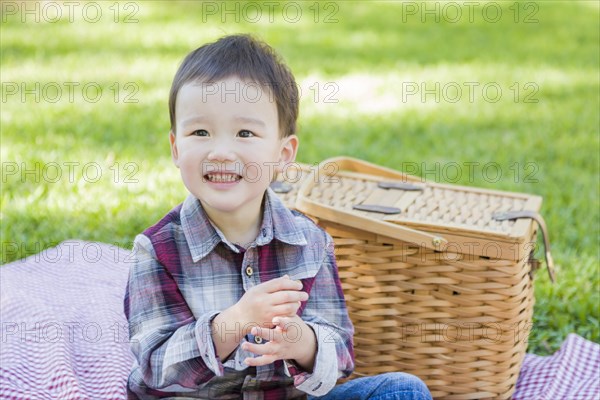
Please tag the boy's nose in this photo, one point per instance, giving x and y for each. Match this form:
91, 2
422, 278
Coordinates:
221, 152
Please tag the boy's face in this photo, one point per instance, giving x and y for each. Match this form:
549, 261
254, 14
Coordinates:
228, 145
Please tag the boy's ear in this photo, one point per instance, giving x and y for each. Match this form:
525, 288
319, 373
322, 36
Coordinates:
289, 148
174, 152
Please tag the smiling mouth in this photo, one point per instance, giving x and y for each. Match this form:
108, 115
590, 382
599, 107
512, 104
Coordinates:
222, 177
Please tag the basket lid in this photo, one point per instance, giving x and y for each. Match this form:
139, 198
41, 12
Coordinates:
377, 199
288, 182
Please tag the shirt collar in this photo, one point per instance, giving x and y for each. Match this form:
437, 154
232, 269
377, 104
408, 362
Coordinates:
279, 223
202, 236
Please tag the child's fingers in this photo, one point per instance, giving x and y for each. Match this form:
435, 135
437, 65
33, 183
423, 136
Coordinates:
282, 322
260, 349
291, 331
282, 283
263, 349
288, 296
266, 333
286, 310
262, 360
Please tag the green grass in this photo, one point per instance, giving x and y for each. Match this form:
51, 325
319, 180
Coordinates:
549, 147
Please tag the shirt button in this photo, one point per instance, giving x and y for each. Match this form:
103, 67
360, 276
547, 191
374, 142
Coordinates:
258, 340
249, 270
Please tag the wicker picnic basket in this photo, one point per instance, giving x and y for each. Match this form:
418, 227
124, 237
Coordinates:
438, 278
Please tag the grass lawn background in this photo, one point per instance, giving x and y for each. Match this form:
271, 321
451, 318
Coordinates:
540, 135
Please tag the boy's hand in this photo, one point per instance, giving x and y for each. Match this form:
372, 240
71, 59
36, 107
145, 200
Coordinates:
275, 298
291, 339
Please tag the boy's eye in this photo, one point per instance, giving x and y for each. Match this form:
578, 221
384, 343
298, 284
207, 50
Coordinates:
200, 132
245, 134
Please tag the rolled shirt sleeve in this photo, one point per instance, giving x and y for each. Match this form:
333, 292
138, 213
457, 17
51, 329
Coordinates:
327, 315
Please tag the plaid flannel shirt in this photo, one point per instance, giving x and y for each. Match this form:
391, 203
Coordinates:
186, 272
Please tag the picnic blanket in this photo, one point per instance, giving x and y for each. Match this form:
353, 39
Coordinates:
64, 334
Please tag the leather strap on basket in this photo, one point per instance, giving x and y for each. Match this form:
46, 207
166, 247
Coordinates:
349, 167
400, 186
383, 209
377, 208
510, 215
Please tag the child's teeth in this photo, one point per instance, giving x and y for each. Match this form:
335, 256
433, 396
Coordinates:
222, 178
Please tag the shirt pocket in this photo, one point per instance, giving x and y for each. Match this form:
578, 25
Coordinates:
301, 262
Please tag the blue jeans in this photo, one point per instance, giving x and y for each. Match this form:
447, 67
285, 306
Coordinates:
390, 386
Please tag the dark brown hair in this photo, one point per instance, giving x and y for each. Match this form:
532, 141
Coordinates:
249, 59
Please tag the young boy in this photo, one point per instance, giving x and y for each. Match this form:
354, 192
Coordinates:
232, 295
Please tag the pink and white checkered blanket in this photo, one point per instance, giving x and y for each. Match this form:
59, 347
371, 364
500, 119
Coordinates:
64, 334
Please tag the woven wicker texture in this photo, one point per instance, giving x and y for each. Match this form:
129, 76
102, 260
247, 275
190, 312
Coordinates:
288, 182
457, 319
458, 322
434, 205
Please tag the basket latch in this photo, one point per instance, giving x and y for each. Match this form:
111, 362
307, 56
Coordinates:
509, 215
383, 209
